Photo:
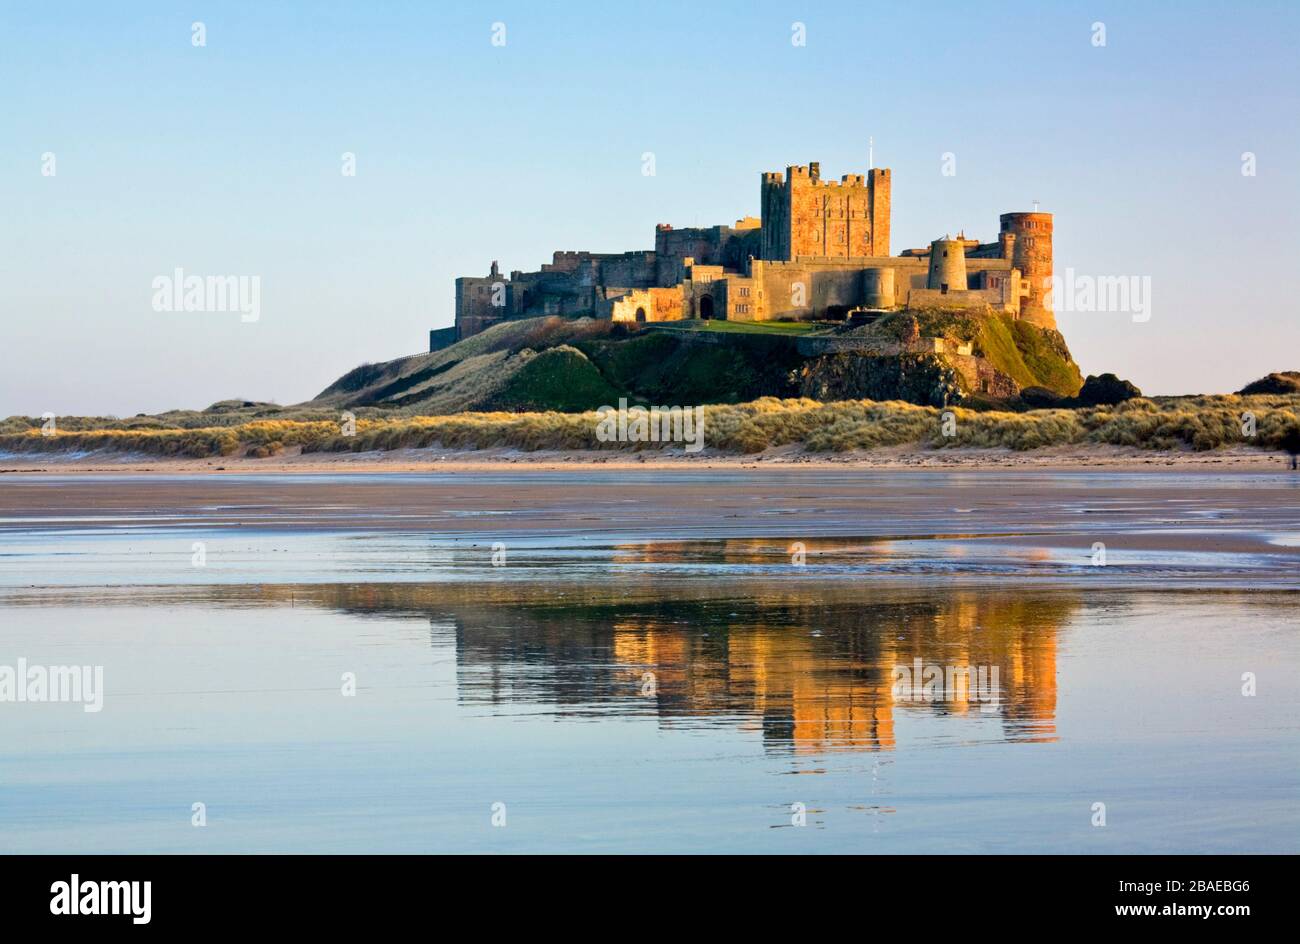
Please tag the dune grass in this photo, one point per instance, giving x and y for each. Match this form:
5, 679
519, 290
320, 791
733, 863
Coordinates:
1167, 423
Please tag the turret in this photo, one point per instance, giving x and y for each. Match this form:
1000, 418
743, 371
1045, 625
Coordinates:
1031, 253
947, 265
878, 287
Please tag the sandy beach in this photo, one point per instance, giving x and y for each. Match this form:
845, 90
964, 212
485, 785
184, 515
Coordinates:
489, 460
1225, 515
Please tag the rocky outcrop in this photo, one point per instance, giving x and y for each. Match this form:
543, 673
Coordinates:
916, 378
1106, 389
1041, 398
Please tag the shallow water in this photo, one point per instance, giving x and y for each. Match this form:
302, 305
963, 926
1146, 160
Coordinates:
645, 692
81, 556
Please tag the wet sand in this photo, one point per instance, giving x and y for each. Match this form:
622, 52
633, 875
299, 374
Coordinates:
1061, 458
1242, 522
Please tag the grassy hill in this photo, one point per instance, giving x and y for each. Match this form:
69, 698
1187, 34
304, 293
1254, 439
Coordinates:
572, 365
558, 378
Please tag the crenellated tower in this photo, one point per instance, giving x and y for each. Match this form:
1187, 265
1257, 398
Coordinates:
803, 215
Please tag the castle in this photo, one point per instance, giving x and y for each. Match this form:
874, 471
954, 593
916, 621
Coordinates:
820, 250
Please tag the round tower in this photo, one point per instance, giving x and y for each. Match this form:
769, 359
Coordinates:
947, 265
878, 285
1031, 253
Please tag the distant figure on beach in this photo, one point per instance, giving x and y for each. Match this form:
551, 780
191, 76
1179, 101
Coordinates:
1291, 443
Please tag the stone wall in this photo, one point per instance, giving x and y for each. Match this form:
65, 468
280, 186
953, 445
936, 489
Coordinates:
928, 299
727, 246
808, 287
442, 337
644, 305
979, 376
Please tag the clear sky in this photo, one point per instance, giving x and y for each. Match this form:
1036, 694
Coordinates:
226, 160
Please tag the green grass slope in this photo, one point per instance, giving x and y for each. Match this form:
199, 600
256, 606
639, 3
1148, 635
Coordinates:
475, 374
559, 378
666, 367
1031, 356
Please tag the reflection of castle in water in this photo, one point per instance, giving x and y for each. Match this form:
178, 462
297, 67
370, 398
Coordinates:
809, 663
815, 674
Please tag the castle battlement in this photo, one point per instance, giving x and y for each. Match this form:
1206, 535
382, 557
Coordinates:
810, 175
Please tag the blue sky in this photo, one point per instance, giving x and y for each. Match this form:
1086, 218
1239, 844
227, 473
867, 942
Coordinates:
226, 159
